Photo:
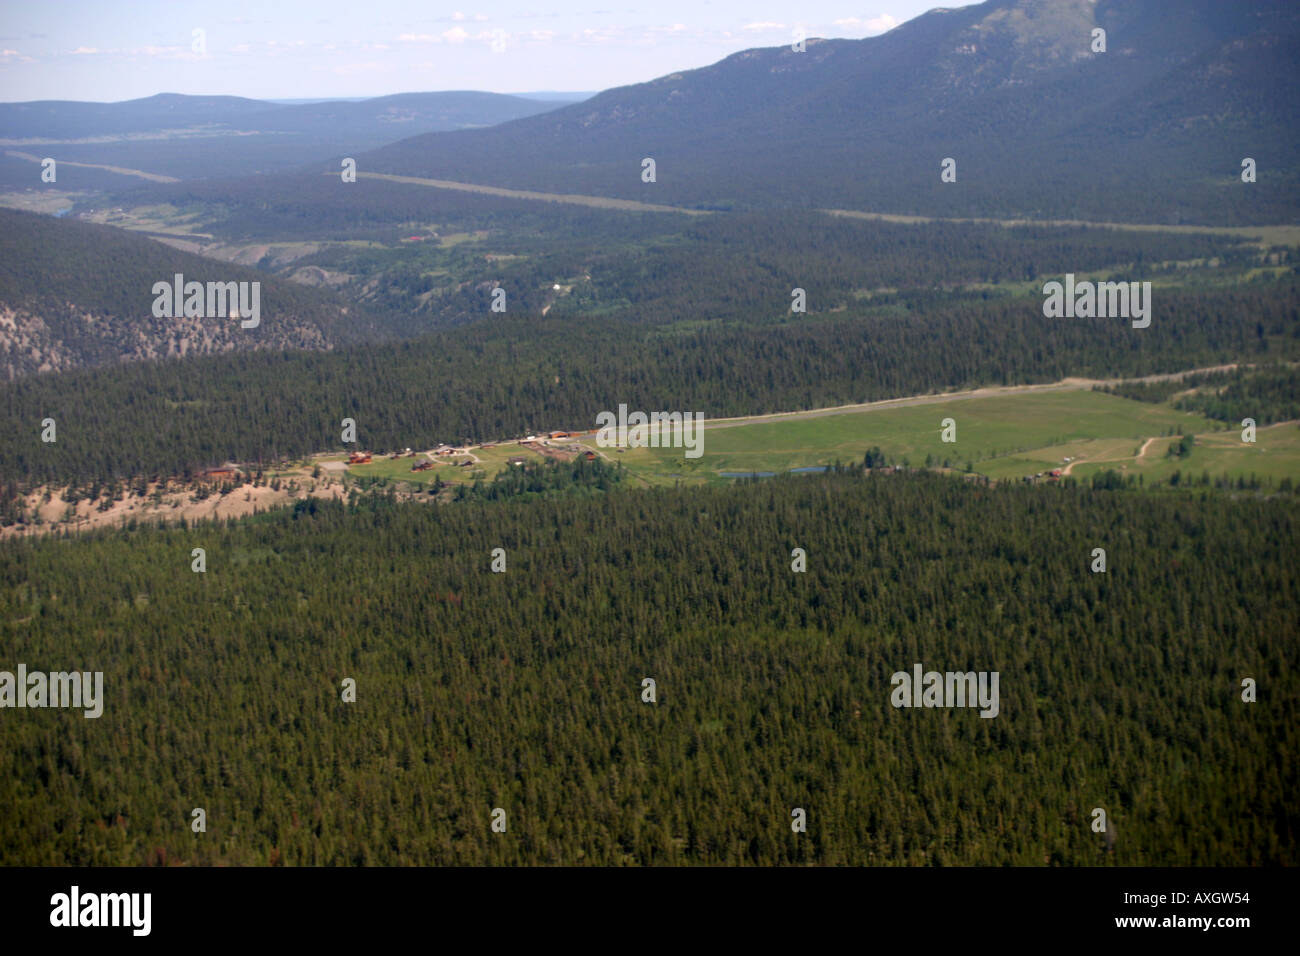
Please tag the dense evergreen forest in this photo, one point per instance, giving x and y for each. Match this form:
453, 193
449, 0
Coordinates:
625, 671
1268, 395
523, 690
519, 374
88, 289
318, 205
650, 266
743, 267
47, 263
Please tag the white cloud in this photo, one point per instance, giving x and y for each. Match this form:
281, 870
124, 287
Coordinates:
593, 35
765, 25
455, 35
880, 24
160, 52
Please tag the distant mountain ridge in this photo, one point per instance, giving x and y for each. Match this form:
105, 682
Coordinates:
73, 119
190, 137
1153, 129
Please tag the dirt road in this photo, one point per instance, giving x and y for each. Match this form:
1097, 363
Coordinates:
120, 170
598, 202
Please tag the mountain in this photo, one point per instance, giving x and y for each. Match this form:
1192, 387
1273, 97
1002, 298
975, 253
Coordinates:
75, 294
383, 115
73, 119
1153, 129
558, 96
196, 136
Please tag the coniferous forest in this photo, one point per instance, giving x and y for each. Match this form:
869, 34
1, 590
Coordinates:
523, 690
523, 373
369, 583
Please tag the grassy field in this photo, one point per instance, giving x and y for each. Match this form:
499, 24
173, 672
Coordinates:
44, 201
1275, 455
1003, 437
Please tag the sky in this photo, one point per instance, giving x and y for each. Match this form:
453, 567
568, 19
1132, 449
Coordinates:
109, 50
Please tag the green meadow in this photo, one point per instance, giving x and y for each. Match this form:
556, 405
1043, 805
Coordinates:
1003, 437
1275, 455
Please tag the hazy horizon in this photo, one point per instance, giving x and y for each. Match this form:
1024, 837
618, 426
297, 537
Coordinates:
565, 95
85, 52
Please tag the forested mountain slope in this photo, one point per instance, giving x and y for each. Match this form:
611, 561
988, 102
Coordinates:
75, 294
1153, 129
523, 690
517, 374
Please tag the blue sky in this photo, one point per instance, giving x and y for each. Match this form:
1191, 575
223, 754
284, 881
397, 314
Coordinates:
110, 50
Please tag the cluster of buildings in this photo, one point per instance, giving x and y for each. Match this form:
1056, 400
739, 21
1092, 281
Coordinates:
534, 443
1053, 475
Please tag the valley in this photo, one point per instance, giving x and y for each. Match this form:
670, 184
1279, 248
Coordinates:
1042, 433
991, 321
